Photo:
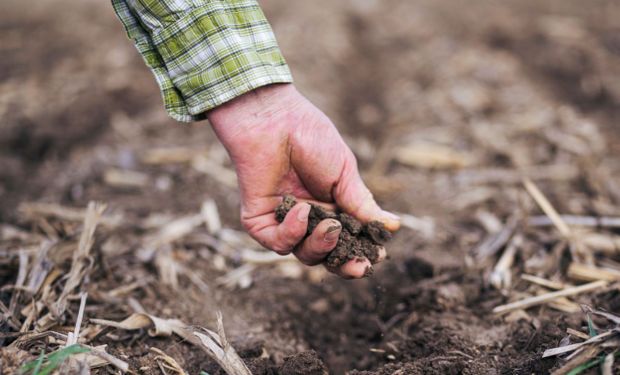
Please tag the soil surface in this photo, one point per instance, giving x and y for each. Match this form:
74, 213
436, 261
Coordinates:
489, 87
357, 240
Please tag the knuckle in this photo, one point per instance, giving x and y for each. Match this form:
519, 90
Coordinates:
251, 226
281, 250
284, 245
304, 252
247, 225
290, 236
306, 261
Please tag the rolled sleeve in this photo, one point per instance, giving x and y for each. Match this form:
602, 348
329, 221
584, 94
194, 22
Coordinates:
203, 53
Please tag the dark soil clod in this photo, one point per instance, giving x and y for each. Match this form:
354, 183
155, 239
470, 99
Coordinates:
357, 240
287, 203
307, 362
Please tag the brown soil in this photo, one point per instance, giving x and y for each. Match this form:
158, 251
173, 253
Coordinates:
356, 241
76, 101
303, 363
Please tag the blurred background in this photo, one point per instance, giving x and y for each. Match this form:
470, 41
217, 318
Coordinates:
446, 104
76, 97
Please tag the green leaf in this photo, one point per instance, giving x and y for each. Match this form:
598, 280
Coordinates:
583, 367
46, 364
34, 364
591, 363
38, 363
591, 330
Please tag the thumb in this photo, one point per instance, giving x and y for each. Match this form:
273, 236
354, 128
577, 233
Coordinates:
354, 198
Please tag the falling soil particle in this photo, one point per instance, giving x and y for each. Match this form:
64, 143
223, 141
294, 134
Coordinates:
307, 362
356, 240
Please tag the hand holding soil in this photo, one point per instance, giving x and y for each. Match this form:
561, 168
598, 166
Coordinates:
282, 144
357, 242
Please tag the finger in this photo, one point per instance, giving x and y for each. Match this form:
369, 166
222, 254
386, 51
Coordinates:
322, 240
326, 206
352, 195
281, 238
355, 268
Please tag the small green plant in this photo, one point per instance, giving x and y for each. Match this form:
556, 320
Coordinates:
584, 366
591, 363
47, 363
591, 330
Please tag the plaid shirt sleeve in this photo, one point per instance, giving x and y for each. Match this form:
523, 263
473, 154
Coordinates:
203, 53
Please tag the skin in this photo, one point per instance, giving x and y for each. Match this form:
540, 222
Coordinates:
281, 144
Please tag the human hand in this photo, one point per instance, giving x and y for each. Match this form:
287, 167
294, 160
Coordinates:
282, 144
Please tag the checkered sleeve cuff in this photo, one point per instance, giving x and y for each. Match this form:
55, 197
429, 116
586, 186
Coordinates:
203, 53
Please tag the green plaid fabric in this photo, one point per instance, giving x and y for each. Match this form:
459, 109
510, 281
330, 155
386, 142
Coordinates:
203, 52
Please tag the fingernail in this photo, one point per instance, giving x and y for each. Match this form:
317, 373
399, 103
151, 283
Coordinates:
303, 213
332, 232
391, 216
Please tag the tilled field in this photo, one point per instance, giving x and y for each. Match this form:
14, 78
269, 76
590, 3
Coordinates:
492, 129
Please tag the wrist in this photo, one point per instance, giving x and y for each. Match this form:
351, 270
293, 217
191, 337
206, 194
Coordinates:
256, 120
263, 104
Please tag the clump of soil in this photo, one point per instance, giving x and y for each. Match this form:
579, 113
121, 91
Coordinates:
356, 240
307, 362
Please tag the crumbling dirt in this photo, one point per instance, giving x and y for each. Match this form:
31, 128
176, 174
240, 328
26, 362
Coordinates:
357, 240
303, 363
